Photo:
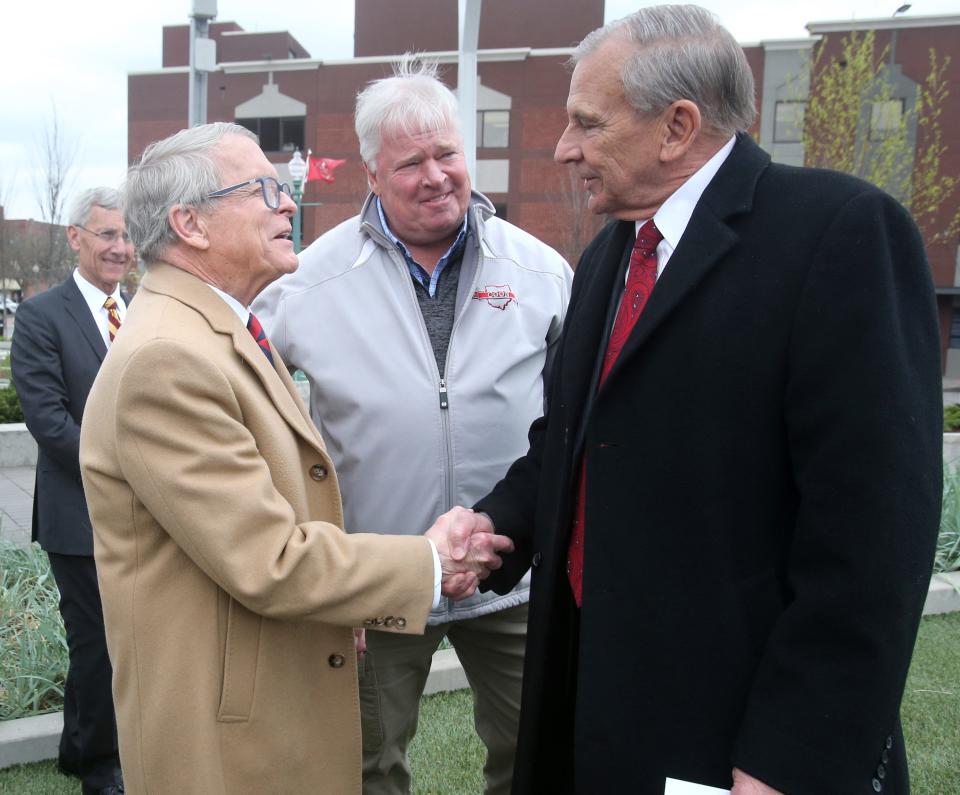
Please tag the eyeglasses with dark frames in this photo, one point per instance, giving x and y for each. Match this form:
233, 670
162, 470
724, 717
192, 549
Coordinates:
270, 189
107, 235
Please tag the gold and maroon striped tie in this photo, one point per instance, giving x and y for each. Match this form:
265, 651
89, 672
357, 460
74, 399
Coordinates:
113, 317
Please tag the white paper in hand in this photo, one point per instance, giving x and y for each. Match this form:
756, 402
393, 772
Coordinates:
675, 786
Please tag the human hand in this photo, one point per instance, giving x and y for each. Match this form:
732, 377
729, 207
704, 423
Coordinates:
468, 548
745, 784
360, 640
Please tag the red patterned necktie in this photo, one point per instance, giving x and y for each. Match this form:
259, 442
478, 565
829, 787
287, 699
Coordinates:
113, 316
641, 279
255, 329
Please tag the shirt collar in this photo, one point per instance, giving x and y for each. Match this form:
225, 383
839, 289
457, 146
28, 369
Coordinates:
429, 281
675, 213
241, 311
94, 296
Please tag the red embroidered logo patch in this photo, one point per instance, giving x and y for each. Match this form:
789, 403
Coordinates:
499, 296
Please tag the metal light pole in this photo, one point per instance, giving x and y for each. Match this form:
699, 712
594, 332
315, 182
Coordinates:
298, 170
203, 59
893, 34
469, 35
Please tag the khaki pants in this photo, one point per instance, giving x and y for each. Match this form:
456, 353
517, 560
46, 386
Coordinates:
393, 677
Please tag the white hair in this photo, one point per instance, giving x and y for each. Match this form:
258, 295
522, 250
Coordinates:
83, 204
412, 101
682, 52
179, 170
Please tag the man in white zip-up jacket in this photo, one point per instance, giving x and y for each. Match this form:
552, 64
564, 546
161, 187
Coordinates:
424, 326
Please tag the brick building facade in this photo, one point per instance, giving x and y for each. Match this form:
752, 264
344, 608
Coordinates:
268, 82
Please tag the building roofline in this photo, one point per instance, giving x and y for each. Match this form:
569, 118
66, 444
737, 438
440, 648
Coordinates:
306, 64
255, 32
886, 23
787, 44
164, 70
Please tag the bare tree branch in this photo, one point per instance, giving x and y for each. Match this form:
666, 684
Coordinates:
56, 154
575, 223
7, 180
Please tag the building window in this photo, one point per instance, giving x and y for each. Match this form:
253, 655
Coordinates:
955, 328
886, 119
788, 122
277, 134
493, 128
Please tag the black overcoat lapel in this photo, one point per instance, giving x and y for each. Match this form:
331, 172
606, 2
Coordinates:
588, 322
706, 240
76, 306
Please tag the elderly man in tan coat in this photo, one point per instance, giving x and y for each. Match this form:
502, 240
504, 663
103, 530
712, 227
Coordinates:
229, 587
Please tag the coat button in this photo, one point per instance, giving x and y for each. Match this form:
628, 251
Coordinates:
877, 786
889, 743
388, 621
884, 756
536, 558
400, 622
336, 661
881, 772
318, 472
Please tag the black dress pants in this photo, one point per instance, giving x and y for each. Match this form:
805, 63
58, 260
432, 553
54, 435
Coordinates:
88, 745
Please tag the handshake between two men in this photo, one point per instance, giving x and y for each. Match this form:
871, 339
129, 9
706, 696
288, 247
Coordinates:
469, 550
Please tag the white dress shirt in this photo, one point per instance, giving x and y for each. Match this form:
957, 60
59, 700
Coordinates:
243, 312
675, 213
95, 297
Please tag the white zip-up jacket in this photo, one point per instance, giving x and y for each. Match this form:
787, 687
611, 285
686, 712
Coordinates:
408, 445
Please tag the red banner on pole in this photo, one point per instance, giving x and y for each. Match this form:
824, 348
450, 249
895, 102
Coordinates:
321, 168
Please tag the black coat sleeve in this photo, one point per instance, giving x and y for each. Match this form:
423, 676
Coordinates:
512, 507
864, 423
40, 382
513, 502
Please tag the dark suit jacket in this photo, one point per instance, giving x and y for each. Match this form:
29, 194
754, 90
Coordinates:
763, 495
55, 355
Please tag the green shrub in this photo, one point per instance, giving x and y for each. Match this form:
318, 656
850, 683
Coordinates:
948, 545
10, 410
951, 418
33, 664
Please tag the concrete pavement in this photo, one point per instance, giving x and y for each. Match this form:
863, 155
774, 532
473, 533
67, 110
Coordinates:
16, 504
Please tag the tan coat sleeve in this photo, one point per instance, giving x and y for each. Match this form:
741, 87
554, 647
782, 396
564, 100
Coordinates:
254, 521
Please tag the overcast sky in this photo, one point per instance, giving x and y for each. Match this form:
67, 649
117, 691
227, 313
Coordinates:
76, 56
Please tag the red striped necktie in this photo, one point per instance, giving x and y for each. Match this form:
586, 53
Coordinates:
641, 279
256, 330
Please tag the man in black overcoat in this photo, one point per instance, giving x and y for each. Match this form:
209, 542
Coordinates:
60, 339
731, 506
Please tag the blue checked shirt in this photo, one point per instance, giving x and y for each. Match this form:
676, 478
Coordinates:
427, 281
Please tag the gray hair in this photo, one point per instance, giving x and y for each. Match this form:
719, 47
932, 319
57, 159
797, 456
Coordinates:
83, 204
179, 170
683, 52
412, 101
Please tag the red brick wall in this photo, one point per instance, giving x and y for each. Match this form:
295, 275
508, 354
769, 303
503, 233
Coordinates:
389, 27
176, 41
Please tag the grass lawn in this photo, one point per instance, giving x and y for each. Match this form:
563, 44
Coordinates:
447, 756
931, 707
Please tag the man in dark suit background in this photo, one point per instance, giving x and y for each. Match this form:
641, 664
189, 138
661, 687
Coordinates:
60, 339
732, 503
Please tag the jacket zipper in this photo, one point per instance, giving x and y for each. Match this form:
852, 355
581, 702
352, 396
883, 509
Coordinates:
442, 390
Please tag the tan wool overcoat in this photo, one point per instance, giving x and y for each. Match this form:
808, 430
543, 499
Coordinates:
229, 587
